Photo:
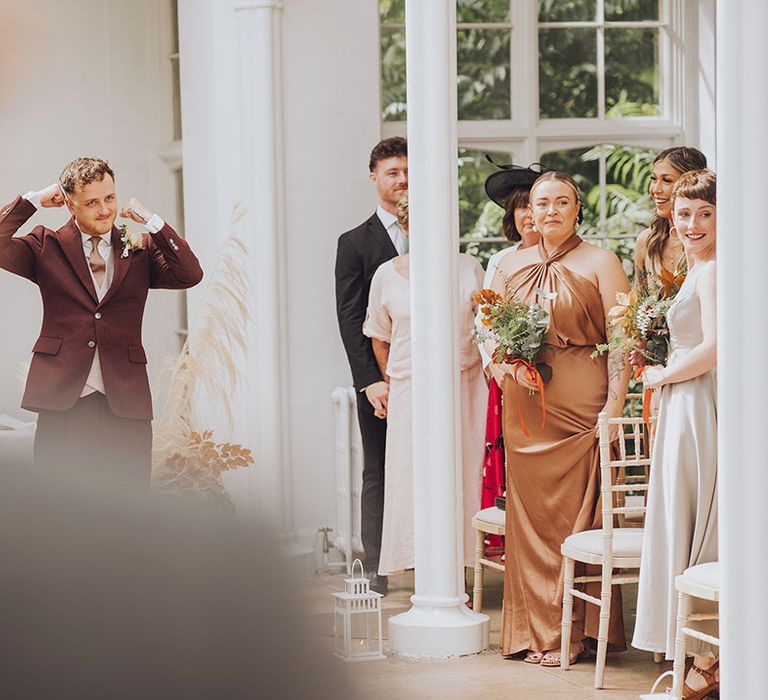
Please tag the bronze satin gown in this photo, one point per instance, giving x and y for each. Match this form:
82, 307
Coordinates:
553, 476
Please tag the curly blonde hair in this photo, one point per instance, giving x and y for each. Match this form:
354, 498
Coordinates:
401, 208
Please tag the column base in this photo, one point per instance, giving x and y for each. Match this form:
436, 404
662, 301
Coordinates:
438, 632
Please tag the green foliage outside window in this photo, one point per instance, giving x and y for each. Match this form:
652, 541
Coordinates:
568, 88
479, 217
483, 74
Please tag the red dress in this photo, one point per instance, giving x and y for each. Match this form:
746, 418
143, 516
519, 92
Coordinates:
493, 464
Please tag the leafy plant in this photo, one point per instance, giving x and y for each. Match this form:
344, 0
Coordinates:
199, 466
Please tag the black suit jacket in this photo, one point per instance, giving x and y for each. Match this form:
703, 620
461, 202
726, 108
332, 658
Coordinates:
358, 255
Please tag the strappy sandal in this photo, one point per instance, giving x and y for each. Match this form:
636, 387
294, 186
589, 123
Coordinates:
533, 657
552, 658
708, 674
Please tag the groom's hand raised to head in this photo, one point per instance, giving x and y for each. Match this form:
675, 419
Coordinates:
136, 211
51, 196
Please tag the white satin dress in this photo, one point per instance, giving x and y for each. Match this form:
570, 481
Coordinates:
681, 520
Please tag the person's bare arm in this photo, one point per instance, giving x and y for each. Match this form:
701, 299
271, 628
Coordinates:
641, 250
381, 353
613, 279
378, 393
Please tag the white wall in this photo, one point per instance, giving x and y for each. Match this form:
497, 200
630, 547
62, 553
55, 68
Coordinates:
331, 59
81, 77
330, 123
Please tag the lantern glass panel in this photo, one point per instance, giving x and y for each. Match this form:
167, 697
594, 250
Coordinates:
365, 634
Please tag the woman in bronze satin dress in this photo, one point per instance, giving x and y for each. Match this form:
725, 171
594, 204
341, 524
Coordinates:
553, 476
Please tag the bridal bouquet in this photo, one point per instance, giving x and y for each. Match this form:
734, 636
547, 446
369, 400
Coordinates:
517, 329
638, 324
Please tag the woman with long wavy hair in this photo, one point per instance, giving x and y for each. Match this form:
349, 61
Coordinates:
657, 247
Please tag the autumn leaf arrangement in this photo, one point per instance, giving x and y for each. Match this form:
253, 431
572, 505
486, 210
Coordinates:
516, 328
638, 323
187, 460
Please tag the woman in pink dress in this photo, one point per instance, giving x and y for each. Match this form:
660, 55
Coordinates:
388, 324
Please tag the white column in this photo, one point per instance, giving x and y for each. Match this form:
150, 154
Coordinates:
438, 624
260, 108
742, 157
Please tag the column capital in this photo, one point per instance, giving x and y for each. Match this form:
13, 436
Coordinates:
244, 5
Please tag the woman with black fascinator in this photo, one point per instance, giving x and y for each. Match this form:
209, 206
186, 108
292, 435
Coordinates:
509, 187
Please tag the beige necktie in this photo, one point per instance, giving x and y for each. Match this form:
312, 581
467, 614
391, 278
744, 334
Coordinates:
98, 266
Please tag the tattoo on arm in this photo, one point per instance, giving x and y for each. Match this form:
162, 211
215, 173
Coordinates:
617, 363
641, 278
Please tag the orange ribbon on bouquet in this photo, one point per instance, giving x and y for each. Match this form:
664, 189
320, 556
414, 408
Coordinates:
647, 394
532, 375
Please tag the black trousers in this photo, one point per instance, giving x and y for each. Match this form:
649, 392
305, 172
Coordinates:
92, 443
373, 431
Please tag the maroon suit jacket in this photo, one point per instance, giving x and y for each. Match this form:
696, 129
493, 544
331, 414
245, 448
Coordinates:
75, 323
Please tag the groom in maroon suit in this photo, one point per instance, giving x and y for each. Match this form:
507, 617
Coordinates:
88, 379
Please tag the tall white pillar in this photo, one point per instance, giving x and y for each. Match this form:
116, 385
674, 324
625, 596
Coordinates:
261, 147
438, 624
742, 158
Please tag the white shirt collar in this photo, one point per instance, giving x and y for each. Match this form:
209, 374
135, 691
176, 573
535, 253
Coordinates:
387, 219
107, 237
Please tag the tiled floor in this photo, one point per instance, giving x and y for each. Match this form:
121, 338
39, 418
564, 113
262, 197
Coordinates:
485, 675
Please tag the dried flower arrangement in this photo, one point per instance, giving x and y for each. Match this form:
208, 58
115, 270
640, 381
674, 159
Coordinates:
187, 461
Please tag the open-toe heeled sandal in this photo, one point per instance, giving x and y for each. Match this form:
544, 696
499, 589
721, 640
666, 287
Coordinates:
552, 658
533, 657
708, 674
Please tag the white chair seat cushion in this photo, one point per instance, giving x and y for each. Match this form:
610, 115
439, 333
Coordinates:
705, 574
627, 542
702, 581
492, 516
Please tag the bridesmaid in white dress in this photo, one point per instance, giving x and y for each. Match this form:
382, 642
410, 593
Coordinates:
388, 323
681, 522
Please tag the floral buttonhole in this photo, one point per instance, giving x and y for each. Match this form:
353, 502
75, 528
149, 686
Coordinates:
131, 241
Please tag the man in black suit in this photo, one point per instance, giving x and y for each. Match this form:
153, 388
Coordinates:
358, 255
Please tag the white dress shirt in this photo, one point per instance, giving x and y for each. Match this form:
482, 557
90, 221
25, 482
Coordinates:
391, 224
95, 382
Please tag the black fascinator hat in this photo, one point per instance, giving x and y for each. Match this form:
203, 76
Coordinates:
508, 177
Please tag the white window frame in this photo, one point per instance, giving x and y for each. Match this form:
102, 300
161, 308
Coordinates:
529, 138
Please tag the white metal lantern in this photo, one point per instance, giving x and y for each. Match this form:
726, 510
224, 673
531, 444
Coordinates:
357, 620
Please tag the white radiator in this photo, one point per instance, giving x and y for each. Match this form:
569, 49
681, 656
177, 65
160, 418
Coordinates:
349, 473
